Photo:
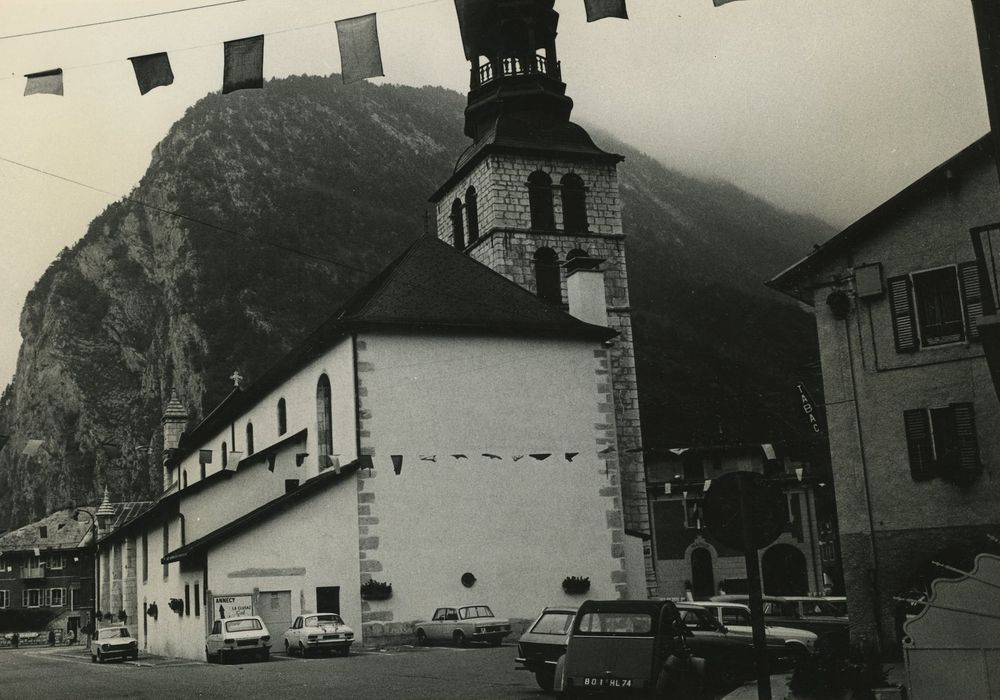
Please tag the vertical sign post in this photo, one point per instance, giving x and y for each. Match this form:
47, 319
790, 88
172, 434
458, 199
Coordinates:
754, 588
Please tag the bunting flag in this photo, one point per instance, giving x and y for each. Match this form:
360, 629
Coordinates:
667, 488
607, 450
49, 82
541, 456
798, 473
31, 447
360, 56
460, 456
270, 462
517, 457
708, 484
491, 456
571, 455
365, 462
428, 458
474, 20
768, 451
204, 456
599, 9
300, 458
397, 463
244, 64
152, 71
720, 3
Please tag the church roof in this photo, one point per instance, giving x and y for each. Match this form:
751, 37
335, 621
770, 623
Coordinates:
430, 287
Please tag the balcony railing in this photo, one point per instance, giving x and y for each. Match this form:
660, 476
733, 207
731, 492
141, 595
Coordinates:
514, 66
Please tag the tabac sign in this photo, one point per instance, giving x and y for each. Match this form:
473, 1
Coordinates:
227, 606
809, 409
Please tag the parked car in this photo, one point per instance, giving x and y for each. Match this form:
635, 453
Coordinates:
630, 647
540, 648
318, 631
464, 624
784, 643
820, 607
236, 636
113, 643
832, 632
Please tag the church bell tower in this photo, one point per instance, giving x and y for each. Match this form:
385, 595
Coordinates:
534, 198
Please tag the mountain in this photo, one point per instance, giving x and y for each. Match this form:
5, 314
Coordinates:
147, 300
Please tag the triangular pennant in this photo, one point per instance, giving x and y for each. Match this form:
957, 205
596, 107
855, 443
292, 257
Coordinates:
607, 450
491, 456
244, 64
428, 458
270, 462
798, 473
397, 463
599, 9
541, 456
152, 71
460, 456
571, 455
720, 3
300, 458
49, 82
517, 457
360, 56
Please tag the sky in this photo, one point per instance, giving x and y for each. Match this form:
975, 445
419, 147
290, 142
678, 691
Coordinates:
824, 107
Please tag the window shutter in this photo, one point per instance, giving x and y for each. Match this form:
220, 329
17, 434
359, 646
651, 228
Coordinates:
972, 297
903, 326
918, 444
965, 431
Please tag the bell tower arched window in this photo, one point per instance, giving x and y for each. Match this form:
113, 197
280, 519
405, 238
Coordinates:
574, 204
324, 417
472, 213
540, 201
457, 227
548, 282
282, 417
249, 439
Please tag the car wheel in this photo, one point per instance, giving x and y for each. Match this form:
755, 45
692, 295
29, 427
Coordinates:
796, 652
135, 655
265, 654
288, 649
221, 657
208, 657
421, 638
302, 650
459, 638
100, 659
546, 680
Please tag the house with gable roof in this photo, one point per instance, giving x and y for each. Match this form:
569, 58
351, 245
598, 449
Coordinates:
443, 432
911, 409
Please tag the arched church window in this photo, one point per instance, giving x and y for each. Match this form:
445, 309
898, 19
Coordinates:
574, 204
472, 213
548, 283
282, 419
249, 439
324, 417
457, 228
540, 201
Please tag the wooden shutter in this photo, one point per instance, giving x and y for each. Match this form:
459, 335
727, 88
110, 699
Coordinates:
972, 297
965, 431
918, 444
903, 323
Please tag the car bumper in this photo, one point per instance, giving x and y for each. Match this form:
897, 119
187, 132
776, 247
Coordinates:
125, 653
329, 643
533, 665
486, 636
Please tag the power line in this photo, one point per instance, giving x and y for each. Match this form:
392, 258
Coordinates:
119, 19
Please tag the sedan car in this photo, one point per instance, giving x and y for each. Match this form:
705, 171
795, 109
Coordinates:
318, 631
540, 648
113, 643
783, 643
463, 624
236, 636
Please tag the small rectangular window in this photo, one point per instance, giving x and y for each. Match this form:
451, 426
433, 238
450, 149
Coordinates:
4, 598
197, 601
145, 557
43, 532
166, 548
187, 599
942, 441
57, 597
939, 307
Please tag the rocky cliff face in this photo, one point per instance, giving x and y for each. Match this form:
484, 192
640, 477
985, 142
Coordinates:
148, 301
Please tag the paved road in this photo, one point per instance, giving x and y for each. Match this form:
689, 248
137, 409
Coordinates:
437, 672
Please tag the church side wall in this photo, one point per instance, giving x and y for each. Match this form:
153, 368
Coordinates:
518, 524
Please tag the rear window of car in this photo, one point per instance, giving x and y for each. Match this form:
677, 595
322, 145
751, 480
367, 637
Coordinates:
475, 611
242, 625
553, 623
323, 619
616, 623
736, 616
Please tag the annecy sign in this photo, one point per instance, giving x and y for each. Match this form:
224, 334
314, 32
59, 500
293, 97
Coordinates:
227, 606
809, 408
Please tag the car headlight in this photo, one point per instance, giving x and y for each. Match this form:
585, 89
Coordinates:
266, 638
349, 635
105, 647
133, 643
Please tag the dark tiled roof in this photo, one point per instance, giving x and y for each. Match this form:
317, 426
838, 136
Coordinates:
796, 281
431, 287
278, 505
124, 512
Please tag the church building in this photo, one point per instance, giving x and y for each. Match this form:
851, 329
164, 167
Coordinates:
464, 428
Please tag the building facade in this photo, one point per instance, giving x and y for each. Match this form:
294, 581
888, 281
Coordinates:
911, 410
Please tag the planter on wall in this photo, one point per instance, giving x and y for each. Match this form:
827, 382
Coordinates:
177, 605
576, 585
376, 590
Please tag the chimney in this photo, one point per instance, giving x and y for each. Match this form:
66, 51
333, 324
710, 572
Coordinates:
174, 423
585, 290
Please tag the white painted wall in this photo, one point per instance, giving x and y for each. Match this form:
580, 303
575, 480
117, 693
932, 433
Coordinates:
519, 527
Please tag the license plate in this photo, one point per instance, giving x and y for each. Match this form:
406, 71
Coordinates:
607, 682
246, 642
331, 636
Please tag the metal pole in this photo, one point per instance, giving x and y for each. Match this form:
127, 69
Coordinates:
756, 596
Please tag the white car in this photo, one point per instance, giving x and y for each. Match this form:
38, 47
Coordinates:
325, 631
113, 643
736, 617
236, 636
463, 624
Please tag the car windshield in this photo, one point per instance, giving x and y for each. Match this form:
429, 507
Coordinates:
330, 619
113, 632
242, 625
475, 611
616, 623
554, 623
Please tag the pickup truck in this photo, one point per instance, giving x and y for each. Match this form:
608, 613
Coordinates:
461, 625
